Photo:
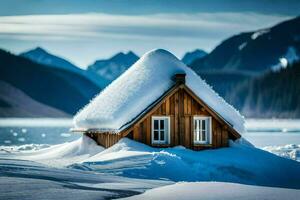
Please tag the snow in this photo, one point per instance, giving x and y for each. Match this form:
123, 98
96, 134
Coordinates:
83, 170
259, 33
291, 151
26, 180
290, 57
25, 147
243, 45
62, 154
238, 163
216, 191
283, 62
142, 84
42, 172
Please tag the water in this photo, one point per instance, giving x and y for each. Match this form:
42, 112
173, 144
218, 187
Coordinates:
20, 131
273, 132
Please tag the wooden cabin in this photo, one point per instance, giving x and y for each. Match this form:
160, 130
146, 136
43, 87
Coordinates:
177, 117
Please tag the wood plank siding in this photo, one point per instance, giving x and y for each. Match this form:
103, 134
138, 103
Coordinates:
181, 108
181, 105
104, 139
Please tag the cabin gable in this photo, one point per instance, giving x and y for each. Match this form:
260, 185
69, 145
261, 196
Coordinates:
181, 107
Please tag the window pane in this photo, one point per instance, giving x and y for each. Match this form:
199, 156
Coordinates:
203, 125
162, 135
162, 124
197, 130
156, 124
155, 135
195, 136
203, 135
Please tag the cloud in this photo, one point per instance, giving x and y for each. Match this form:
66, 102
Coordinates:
85, 37
164, 26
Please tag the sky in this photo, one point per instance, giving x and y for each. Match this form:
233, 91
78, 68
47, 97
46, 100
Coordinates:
84, 31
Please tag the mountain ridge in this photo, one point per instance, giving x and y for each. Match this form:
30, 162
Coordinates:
189, 57
55, 87
43, 57
275, 94
255, 51
113, 67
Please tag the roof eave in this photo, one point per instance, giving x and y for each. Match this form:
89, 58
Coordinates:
94, 130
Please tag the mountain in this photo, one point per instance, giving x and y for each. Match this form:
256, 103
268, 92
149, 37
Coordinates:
275, 94
189, 57
58, 88
254, 52
247, 56
113, 67
224, 82
15, 103
42, 56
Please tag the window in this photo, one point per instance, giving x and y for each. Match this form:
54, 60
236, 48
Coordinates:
202, 130
160, 130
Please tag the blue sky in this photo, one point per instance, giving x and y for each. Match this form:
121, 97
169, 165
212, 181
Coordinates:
83, 31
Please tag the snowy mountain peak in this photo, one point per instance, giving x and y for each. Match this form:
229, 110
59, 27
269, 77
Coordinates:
38, 50
42, 56
122, 56
189, 57
131, 53
113, 67
37, 54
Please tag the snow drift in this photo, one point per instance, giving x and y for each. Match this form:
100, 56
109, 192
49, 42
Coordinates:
27, 180
64, 154
142, 84
238, 163
291, 151
216, 190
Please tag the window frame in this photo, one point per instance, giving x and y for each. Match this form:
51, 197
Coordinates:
166, 129
208, 135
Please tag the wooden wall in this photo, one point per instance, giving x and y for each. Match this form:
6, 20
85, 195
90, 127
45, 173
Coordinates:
181, 107
104, 139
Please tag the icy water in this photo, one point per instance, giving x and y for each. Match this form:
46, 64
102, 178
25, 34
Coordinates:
20, 131
273, 132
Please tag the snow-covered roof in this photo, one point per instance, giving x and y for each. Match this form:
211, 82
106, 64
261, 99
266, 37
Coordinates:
143, 83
